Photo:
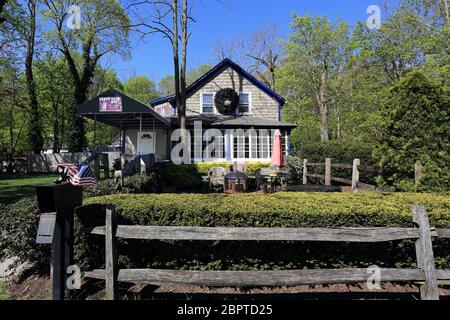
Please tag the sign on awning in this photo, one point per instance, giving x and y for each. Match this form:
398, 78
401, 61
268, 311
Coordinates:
111, 104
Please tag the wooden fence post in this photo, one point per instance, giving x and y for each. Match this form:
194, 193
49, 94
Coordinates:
355, 175
425, 256
105, 163
122, 166
328, 172
97, 166
418, 168
305, 172
111, 271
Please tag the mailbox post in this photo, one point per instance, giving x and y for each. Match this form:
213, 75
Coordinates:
56, 205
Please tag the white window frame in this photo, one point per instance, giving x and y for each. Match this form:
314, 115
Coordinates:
201, 102
250, 105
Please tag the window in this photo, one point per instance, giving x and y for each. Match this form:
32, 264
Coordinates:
208, 103
255, 144
244, 103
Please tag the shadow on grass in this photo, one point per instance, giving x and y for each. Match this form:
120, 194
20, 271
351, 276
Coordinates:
13, 189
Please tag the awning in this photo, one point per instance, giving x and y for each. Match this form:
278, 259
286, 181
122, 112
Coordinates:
118, 110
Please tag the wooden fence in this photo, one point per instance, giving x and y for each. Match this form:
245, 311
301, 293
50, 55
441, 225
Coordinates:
425, 272
356, 168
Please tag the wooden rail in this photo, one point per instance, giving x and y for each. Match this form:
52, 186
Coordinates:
424, 251
328, 177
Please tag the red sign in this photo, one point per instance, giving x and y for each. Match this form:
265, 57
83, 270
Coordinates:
111, 104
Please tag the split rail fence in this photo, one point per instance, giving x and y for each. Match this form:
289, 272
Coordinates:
426, 272
356, 168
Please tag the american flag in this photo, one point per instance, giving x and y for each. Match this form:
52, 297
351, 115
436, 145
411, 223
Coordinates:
81, 175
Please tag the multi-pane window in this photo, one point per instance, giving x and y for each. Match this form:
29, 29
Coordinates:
214, 143
208, 103
255, 144
244, 103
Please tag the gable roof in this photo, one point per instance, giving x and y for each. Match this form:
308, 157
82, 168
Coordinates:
207, 77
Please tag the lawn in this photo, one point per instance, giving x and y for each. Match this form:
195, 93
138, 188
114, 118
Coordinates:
3, 295
13, 189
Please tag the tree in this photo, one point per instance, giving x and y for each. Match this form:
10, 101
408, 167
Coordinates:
51, 80
259, 53
166, 84
170, 18
2, 6
35, 125
317, 54
104, 28
415, 128
141, 89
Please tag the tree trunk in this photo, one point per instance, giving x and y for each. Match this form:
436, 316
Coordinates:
323, 109
77, 130
10, 154
35, 130
56, 137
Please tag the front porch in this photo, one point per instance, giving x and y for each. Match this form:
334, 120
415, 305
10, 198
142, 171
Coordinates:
143, 131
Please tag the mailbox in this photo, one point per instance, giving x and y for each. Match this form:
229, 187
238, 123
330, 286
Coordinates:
56, 205
56, 197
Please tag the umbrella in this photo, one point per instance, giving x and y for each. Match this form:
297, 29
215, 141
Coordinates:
277, 152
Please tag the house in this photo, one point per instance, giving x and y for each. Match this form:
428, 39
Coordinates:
245, 135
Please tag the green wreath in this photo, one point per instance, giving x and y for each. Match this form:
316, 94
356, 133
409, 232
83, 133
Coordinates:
226, 101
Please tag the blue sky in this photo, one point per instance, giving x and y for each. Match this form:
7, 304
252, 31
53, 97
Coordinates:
216, 21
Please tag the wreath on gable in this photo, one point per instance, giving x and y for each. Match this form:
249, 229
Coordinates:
226, 101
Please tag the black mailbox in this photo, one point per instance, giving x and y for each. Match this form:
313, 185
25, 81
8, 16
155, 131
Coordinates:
56, 197
56, 204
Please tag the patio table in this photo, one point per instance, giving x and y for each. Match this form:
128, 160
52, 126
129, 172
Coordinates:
272, 178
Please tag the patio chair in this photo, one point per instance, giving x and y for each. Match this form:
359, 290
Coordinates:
239, 167
216, 178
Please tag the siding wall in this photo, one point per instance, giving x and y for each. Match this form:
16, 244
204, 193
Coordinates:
262, 106
160, 143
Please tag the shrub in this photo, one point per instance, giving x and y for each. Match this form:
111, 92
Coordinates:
339, 152
294, 168
416, 123
18, 230
136, 184
188, 177
255, 210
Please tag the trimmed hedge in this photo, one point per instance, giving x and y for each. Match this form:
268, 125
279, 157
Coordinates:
255, 210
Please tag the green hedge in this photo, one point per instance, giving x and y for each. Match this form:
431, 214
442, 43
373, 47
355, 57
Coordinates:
339, 152
18, 229
254, 210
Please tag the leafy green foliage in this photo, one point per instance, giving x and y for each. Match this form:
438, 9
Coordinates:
141, 89
256, 210
136, 184
18, 227
416, 126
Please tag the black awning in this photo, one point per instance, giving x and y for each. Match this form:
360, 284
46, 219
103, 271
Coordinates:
118, 110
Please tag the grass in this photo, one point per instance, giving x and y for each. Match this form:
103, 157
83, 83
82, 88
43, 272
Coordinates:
13, 189
3, 295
